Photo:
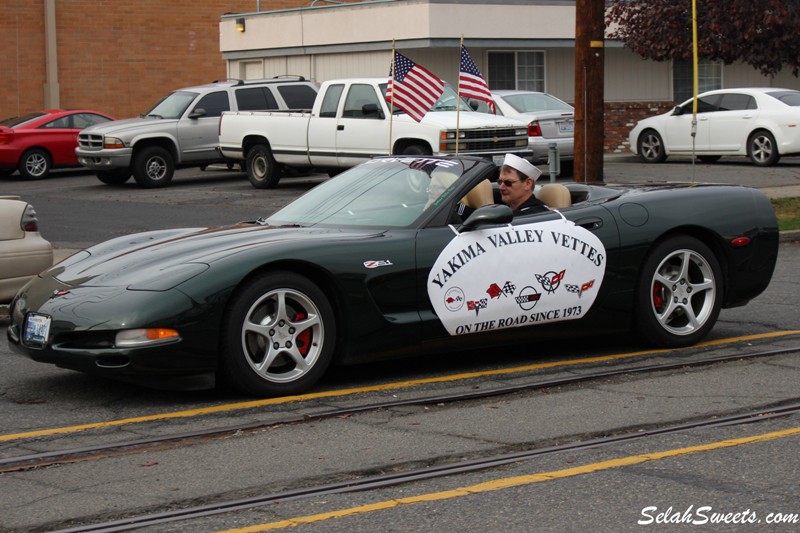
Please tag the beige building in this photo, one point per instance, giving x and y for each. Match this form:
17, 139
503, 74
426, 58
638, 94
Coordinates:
517, 44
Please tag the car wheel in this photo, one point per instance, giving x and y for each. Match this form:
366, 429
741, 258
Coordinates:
113, 177
651, 147
153, 167
35, 164
262, 169
679, 294
279, 336
709, 158
416, 149
762, 149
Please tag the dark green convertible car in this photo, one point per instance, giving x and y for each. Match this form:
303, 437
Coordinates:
398, 256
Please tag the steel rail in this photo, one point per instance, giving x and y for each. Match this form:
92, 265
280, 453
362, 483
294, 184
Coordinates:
438, 471
85, 453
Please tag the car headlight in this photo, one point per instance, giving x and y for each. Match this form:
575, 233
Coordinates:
113, 142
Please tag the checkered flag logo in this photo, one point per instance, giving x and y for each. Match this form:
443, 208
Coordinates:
509, 288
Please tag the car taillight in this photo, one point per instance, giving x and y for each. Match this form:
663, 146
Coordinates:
6, 135
534, 130
30, 221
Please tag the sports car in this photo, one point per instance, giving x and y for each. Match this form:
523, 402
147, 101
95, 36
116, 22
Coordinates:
398, 256
36, 143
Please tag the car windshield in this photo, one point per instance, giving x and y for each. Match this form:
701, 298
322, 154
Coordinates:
13, 122
173, 106
791, 98
532, 102
446, 102
384, 192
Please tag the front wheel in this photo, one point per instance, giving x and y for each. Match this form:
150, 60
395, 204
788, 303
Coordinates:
35, 164
679, 293
279, 336
762, 149
262, 169
153, 167
651, 147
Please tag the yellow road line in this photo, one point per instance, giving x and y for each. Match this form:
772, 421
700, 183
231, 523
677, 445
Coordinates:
517, 481
372, 388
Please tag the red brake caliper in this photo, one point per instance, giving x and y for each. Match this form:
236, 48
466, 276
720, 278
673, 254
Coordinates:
303, 339
658, 296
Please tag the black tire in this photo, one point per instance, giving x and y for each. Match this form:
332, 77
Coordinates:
113, 177
762, 149
35, 164
709, 158
416, 149
679, 294
651, 147
262, 169
284, 317
153, 167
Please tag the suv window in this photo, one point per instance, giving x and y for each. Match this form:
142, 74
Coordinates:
255, 99
298, 96
214, 103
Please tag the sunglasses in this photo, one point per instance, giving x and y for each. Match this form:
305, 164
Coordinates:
507, 183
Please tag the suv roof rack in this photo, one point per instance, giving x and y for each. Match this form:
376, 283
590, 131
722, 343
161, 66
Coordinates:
238, 82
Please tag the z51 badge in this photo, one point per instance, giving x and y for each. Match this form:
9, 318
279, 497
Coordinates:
516, 276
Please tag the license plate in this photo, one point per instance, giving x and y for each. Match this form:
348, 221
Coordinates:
37, 328
566, 127
498, 159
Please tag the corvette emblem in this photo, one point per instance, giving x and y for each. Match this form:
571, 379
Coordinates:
58, 293
376, 264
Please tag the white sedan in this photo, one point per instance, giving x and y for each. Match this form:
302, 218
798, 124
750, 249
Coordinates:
760, 123
23, 251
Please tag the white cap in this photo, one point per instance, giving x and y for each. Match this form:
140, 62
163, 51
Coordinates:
523, 165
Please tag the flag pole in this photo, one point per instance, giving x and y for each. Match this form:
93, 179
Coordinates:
458, 92
391, 100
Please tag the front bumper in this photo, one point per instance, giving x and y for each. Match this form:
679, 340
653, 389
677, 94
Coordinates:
104, 159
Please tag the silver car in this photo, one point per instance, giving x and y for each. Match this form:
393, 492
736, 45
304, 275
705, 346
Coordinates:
23, 251
549, 120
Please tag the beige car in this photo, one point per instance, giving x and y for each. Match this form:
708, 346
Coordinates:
23, 251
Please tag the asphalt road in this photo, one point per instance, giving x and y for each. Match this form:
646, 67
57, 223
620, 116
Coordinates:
745, 473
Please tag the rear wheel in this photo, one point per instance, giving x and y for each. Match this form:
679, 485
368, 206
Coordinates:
153, 167
651, 147
262, 169
762, 149
35, 164
279, 336
113, 177
679, 293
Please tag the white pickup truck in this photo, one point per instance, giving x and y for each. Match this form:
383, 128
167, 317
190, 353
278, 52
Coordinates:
350, 123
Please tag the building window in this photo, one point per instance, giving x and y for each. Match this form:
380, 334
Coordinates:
709, 77
516, 70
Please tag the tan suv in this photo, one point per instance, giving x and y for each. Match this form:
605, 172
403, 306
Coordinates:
182, 129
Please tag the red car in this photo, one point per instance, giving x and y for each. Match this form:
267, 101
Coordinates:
37, 142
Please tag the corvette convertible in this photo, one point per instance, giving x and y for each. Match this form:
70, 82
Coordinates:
399, 256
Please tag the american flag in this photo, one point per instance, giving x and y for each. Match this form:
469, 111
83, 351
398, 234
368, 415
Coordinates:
415, 88
471, 83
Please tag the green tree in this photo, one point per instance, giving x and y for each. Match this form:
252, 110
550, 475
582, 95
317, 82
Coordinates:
761, 33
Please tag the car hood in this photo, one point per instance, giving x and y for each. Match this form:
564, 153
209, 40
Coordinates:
127, 125
468, 120
159, 260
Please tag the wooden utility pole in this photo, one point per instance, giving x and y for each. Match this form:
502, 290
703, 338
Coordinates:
589, 68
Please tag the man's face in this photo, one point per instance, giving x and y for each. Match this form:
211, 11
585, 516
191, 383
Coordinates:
513, 190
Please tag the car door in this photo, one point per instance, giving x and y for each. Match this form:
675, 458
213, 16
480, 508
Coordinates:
60, 138
322, 128
519, 284
197, 129
361, 134
732, 122
679, 126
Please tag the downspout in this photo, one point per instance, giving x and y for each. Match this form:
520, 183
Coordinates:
52, 92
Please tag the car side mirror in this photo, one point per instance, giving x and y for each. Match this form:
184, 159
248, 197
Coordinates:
197, 112
488, 215
677, 110
474, 105
372, 109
